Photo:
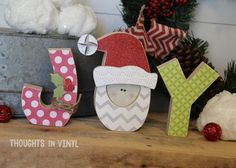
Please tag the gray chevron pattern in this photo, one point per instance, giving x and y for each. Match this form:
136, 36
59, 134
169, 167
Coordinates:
141, 108
101, 93
121, 116
118, 118
144, 97
107, 103
120, 128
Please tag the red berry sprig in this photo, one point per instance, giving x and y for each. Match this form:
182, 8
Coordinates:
5, 114
164, 8
181, 2
159, 8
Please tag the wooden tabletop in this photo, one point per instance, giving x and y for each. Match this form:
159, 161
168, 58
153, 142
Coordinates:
98, 147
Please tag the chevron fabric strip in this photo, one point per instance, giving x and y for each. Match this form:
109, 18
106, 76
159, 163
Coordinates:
160, 40
164, 38
140, 33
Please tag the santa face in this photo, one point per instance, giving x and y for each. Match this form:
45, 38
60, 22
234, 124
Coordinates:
123, 83
123, 95
118, 111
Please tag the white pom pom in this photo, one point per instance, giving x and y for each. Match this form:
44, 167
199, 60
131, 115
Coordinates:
77, 20
31, 15
221, 109
64, 3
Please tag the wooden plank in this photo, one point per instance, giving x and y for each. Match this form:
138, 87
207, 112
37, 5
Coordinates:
108, 23
2, 19
148, 147
222, 40
216, 11
104, 6
3, 2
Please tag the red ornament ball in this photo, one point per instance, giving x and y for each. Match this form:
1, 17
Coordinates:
5, 114
212, 132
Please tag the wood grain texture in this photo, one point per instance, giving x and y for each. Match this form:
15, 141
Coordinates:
98, 147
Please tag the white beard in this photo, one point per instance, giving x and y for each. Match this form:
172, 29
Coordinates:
116, 118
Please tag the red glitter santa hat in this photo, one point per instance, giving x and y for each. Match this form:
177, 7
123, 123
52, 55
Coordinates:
125, 62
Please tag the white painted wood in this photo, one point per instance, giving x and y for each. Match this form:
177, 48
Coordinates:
104, 6
3, 2
222, 43
108, 23
2, 20
216, 11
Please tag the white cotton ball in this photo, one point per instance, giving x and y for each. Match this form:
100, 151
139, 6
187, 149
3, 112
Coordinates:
221, 109
77, 20
64, 3
90, 22
31, 16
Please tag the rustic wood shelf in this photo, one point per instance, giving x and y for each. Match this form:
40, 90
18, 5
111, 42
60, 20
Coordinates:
98, 147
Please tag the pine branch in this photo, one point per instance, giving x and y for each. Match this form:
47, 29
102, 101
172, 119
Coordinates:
195, 43
230, 77
130, 11
181, 18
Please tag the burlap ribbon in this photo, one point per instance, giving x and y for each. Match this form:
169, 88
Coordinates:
58, 104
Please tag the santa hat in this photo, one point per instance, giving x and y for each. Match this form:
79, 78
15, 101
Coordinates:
125, 62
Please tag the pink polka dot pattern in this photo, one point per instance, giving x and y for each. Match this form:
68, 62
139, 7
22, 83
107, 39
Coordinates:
66, 68
40, 114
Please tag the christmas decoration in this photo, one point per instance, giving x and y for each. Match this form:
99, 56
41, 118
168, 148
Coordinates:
212, 132
164, 38
230, 77
68, 85
159, 40
64, 101
36, 16
190, 53
159, 8
122, 95
87, 45
57, 80
173, 13
5, 114
221, 110
140, 33
184, 92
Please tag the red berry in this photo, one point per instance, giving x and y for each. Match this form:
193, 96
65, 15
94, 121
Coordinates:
159, 7
212, 132
5, 114
68, 85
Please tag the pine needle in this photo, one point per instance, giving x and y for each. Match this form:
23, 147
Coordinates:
230, 77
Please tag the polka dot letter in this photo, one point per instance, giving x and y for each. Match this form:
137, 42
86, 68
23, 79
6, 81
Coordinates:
36, 112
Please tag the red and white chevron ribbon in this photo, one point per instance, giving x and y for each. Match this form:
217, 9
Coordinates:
164, 38
160, 40
140, 33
